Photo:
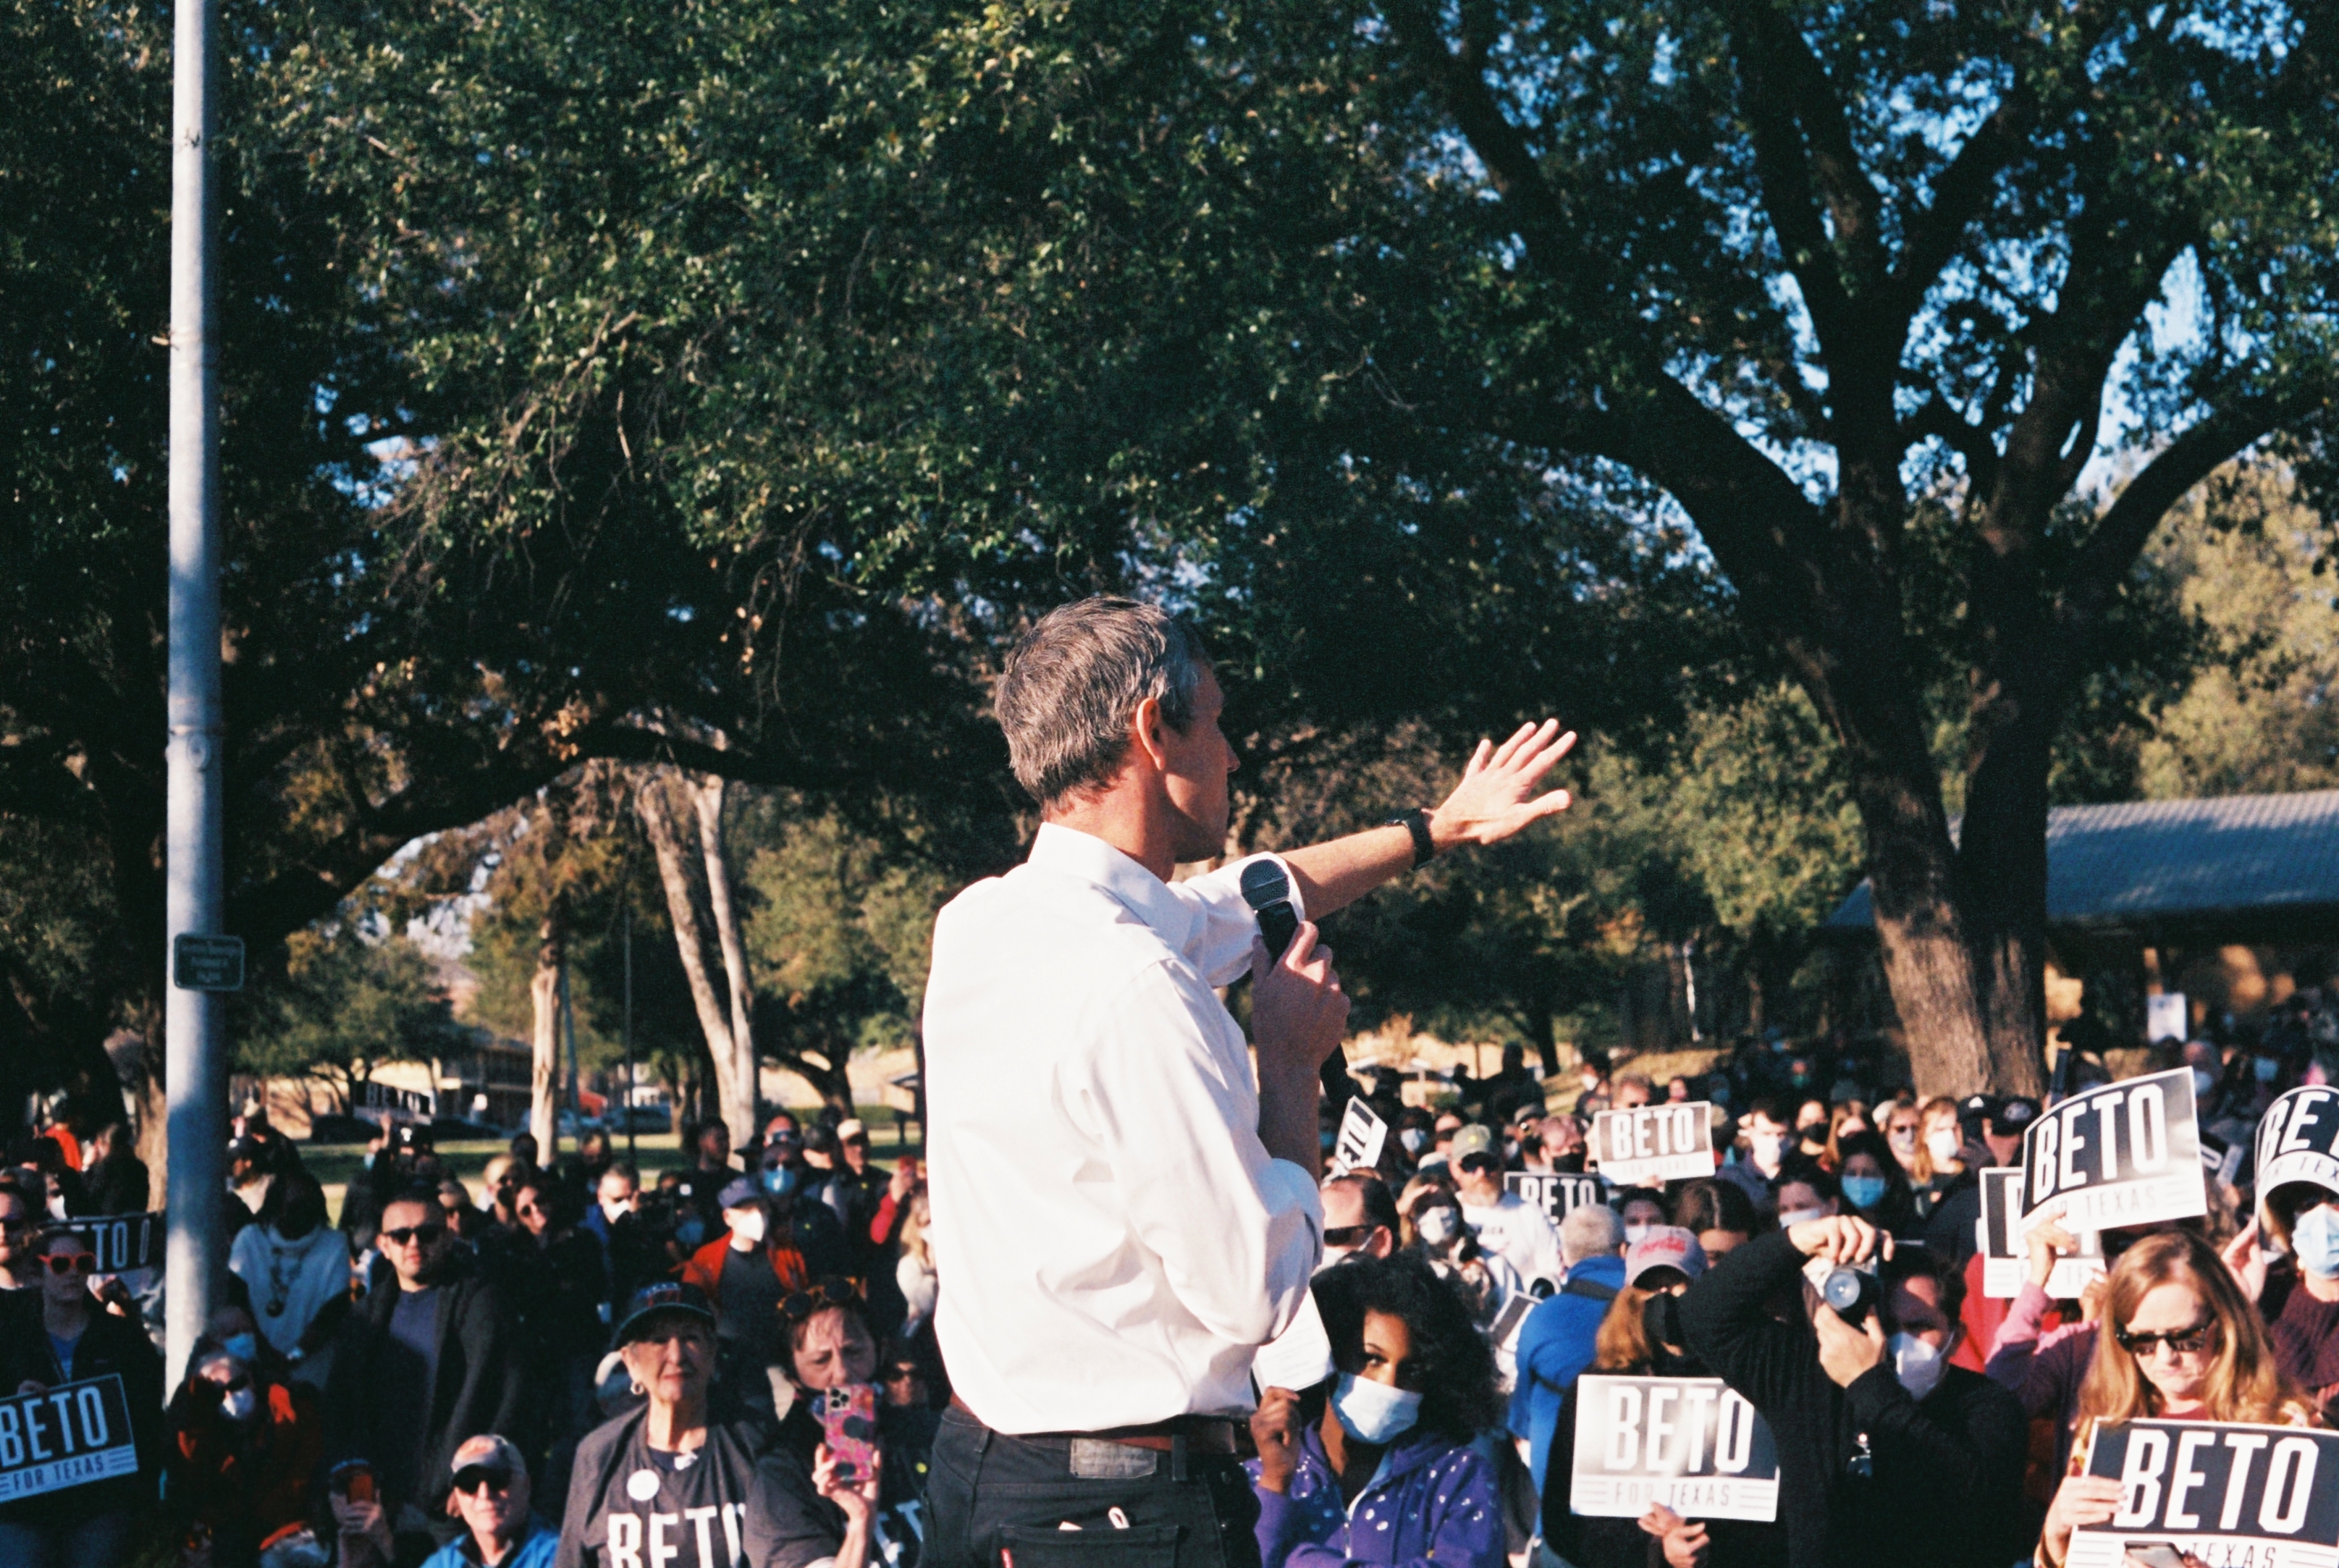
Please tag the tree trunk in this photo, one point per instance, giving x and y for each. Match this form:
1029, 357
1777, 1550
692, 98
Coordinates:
708, 795
1536, 1018
734, 1096
544, 1041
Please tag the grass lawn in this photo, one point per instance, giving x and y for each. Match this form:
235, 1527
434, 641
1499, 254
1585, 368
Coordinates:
335, 1164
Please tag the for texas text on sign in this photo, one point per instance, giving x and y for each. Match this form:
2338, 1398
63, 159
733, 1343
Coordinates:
1689, 1442
75, 1433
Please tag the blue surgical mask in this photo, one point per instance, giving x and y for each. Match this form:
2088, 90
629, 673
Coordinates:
2203, 1083
781, 1182
688, 1233
1864, 1191
1414, 1138
242, 1347
1373, 1412
2266, 1067
2315, 1242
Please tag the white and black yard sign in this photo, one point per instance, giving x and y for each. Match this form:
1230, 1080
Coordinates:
2006, 1257
1362, 1135
1649, 1145
2124, 1153
2216, 1492
1689, 1442
1556, 1192
75, 1433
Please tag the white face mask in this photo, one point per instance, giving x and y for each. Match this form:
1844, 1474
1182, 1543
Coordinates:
1918, 1363
1635, 1234
1374, 1412
1794, 1217
1943, 1144
746, 1224
1334, 1257
240, 1405
1436, 1225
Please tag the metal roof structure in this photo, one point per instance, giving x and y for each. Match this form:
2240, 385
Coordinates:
2156, 864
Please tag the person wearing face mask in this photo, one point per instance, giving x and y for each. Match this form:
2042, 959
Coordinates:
1940, 1169
747, 1272
1437, 1232
2297, 1293
1642, 1337
1769, 1152
1561, 1335
1805, 1197
1380, 1465
1414, 1132
1642, 1210
241, 1455
1506, 1224
1560, 1147
1874, 1187
296, 1268
1878, 1438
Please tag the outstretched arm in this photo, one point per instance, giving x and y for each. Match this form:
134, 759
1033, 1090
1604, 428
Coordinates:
1500, 792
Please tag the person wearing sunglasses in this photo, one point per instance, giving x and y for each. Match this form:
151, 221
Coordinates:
243, 1452
427, 1357
491, 1495
2184, 1344
74, 1339
19, 1224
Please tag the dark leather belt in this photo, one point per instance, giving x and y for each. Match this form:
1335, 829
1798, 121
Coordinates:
1202, 1433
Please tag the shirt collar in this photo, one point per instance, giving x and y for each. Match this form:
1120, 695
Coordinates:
1072, 852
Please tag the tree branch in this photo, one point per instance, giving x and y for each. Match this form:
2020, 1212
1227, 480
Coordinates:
1937, 416
1500, 145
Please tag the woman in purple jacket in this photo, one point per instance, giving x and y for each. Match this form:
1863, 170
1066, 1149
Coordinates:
1379, 1464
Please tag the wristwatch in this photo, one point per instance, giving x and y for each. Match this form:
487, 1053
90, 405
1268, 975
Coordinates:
1416, 821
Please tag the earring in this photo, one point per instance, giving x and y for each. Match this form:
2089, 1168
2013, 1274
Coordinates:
638, 1390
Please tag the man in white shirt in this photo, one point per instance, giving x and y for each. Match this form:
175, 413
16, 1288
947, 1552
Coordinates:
1124, 1208
1506, 1224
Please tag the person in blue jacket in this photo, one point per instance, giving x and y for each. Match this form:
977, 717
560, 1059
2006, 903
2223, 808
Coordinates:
490, 1497
1381, 1463
1555, 1343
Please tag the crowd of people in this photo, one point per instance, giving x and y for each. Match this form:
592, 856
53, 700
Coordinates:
568, 1365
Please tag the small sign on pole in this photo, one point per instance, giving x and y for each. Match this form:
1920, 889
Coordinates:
207, 963
71, 1434
1692, 1444
2118, 1154
1648, 1144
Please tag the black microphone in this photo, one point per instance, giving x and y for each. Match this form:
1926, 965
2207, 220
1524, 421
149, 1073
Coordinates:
1268, 893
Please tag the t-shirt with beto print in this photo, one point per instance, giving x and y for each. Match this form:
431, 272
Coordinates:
634, 1506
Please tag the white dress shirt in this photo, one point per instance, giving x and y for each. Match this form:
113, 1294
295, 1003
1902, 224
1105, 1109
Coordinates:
1113, 1241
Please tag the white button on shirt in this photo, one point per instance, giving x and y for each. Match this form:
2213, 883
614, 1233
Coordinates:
1113, 1242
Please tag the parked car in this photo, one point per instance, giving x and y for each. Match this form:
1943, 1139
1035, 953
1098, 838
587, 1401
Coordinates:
452, 1128
640, 1118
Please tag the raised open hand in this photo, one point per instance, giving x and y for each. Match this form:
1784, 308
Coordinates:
1497, 795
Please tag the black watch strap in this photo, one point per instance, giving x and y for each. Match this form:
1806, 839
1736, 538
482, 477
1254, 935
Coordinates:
1415, 821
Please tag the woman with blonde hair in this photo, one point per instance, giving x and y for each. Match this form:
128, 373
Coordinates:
914, 1273
2179, 1342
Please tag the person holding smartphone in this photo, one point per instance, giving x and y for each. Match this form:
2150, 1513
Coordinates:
1124, 1211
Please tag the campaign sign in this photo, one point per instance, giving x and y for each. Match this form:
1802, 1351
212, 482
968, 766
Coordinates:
75, 1433
1556, 1192
1651, 1144
1363, 1134
2166, 1016
2216, 1491
2006, 1258
1689, 1442
123, 1242
2298, 1140
2124, 1153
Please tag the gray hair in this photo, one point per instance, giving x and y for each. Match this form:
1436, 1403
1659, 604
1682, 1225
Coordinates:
1075, 678
1592, 1230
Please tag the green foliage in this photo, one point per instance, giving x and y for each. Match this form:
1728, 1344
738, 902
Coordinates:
346, 1002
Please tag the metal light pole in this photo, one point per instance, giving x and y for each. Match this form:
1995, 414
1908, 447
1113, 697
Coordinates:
194, 1034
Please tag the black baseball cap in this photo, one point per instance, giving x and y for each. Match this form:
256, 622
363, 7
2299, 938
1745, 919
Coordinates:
2013, 1116
665, 1298
412, 1135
